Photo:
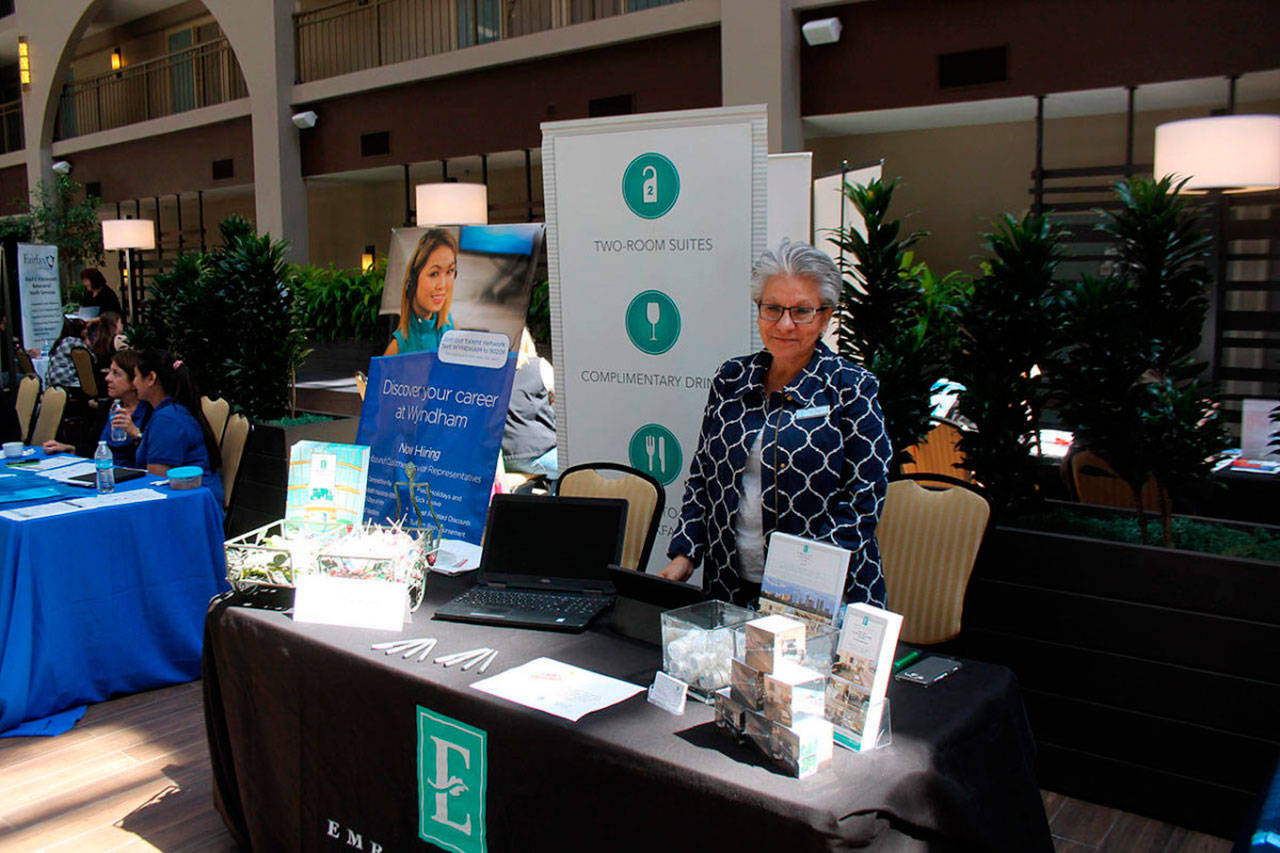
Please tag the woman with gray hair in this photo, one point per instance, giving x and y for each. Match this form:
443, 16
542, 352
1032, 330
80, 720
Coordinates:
792, 440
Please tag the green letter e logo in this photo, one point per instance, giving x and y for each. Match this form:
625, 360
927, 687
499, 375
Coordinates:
452, 771
650, 185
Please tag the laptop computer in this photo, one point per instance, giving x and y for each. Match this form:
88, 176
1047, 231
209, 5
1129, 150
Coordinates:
544, 563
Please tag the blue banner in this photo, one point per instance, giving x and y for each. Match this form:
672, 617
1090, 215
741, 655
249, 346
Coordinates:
444, 413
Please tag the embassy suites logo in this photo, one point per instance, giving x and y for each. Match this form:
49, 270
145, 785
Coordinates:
452, 775
650, 185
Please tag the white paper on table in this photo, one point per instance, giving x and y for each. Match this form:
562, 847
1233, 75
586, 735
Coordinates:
557, 688
353, 602
40, 511
456, 556
66, 472
38, 465
136, 496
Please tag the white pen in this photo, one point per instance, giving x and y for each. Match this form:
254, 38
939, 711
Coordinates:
417, 647
390, 643
446, 658
398, 647
476, 660
466, 656
493, 654
431, 645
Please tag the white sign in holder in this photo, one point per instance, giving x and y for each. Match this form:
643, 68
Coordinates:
652, 224
40, 293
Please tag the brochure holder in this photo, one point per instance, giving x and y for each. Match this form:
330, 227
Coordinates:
884, 737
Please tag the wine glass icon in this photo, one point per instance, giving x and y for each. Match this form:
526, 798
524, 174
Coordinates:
653, 313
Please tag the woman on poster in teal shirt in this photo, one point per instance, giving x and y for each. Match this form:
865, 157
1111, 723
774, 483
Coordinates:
428, 294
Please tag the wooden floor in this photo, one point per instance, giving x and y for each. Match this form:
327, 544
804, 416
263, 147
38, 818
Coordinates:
134, 775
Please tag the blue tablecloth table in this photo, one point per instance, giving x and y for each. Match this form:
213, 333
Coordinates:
105, 601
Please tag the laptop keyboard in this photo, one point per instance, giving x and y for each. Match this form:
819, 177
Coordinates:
552, 603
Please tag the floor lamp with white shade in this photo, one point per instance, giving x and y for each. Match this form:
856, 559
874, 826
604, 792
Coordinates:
126, 235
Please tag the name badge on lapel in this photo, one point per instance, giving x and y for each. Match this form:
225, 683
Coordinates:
815, 412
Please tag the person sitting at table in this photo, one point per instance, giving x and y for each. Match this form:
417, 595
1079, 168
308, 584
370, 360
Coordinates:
99, 295
104, 331
132, 417
178, 434
792, 440
62, 370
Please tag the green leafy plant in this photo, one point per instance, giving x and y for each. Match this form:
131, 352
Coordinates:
59, 213
230, 314
538, 317
1128, 382
895, 317
1007, 328
334, 304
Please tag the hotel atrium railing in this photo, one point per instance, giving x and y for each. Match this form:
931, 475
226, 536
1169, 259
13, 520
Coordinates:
11, 127
198, 76
351, 35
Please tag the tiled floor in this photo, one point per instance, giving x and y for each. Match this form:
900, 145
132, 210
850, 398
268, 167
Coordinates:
134, 775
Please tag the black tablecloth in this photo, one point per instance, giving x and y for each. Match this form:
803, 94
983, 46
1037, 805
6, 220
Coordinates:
314, 745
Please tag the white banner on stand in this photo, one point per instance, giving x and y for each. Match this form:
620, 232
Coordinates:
790, 186
652, 224
832, 211
40, 293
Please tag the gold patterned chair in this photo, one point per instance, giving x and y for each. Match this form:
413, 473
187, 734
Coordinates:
25, 403
644, 496
1093, 481
53, 402
929, 534
216, 412
939, 453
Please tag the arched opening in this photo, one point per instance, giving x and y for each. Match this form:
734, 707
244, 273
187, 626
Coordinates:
142, 60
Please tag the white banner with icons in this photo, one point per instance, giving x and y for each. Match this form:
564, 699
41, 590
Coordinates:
652, 224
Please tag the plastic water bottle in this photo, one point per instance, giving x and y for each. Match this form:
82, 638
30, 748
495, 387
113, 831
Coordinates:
117, 433
103, 462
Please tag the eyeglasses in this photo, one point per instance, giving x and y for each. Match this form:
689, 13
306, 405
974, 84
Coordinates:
801, 315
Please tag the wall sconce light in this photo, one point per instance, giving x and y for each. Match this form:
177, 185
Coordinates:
824, 31
305, 120
24, 64
116, 60
62, 167
1233, 153
452, 204
366, 259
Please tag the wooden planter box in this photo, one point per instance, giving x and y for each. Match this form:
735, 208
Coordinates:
1150, 675
264, 470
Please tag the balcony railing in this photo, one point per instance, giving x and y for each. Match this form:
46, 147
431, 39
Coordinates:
198, 76
11, 127
352, 35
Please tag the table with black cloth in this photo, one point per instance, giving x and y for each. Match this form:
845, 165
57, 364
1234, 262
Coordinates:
314, 746
104, 601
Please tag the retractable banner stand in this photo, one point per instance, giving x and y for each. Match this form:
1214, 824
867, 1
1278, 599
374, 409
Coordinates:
40, 293
652, 224
436, 418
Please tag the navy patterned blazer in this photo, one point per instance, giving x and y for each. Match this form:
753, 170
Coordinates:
824, 469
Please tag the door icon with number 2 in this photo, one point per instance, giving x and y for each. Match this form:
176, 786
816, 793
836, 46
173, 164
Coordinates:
649, 189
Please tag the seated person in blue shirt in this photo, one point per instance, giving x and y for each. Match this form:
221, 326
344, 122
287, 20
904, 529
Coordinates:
178, 433
132, 416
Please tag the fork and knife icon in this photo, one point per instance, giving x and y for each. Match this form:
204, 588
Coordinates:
661, 444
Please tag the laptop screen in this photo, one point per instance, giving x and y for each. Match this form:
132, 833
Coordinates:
557, 542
